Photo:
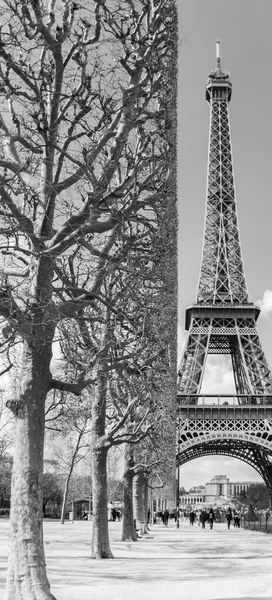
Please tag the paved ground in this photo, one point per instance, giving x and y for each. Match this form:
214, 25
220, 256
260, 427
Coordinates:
185, 564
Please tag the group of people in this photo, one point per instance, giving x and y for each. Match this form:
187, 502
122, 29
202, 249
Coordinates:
235, 516
207, 515
162, 516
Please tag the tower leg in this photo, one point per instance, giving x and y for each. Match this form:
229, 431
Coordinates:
265, 467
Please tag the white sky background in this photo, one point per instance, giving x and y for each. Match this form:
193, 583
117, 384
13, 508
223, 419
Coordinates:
244, 28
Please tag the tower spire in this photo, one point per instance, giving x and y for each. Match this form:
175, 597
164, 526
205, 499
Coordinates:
217, 50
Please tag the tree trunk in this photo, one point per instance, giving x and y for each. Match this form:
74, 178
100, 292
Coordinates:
146, 494
67, 482
100, 537
128, 528
139, 509
64, 500
27, 579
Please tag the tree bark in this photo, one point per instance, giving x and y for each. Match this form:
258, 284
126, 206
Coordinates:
27, 579
100, 536
138, 497
146, 495
64, 500
128, 528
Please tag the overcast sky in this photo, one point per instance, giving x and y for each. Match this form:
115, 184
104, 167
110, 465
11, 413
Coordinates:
244, 28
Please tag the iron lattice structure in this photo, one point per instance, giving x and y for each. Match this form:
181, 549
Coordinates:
223, 320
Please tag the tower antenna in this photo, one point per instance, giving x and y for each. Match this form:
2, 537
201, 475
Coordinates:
217, 48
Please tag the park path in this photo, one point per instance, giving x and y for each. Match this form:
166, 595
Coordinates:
169, 563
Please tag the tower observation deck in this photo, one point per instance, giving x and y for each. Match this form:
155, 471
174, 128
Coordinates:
223, 320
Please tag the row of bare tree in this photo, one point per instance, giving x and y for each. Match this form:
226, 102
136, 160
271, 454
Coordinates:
88, 245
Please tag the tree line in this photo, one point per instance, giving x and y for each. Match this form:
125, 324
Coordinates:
88, 294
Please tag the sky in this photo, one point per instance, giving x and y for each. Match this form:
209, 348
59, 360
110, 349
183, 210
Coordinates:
244, 28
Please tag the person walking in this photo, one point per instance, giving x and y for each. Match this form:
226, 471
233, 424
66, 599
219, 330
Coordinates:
229, 517
160, 517
166, 516
203, 518
192, 516
237, 518
211, 517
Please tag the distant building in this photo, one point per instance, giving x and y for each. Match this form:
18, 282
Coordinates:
219, 487
195, 497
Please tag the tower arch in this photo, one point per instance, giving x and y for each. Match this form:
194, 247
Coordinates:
252, 455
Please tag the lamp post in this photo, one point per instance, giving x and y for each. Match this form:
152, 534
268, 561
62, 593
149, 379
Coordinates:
178, 479
90, 508
72, 519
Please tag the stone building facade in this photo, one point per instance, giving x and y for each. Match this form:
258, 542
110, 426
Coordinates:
220, 485
219, 488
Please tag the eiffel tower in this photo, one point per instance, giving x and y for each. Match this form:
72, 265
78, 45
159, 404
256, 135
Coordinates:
223, 321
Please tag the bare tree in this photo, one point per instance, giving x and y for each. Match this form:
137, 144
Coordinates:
70, 440
134, 335
110, 413
74, 457
154, 458
151, 460
128, 353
